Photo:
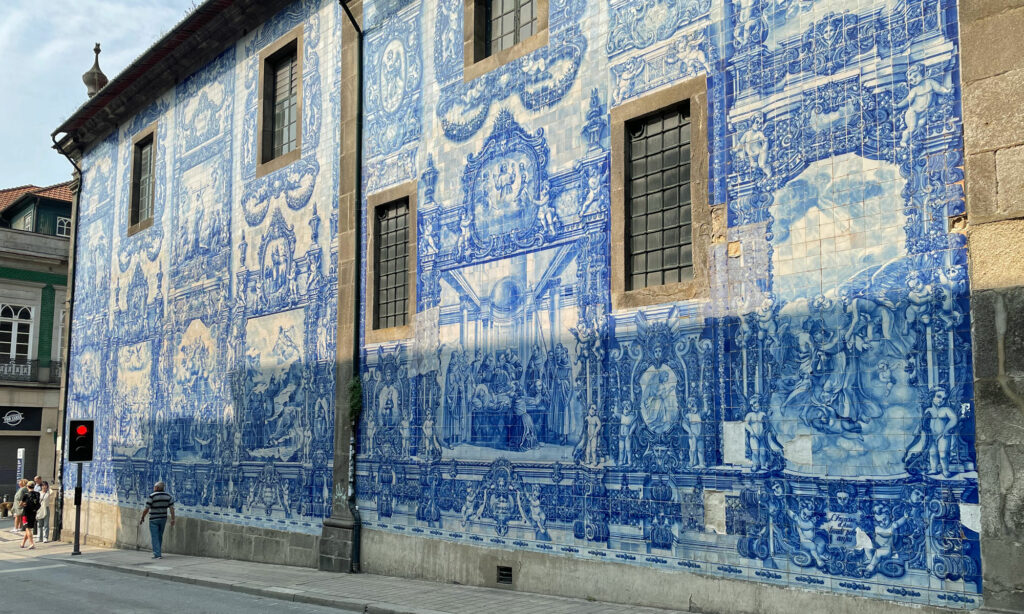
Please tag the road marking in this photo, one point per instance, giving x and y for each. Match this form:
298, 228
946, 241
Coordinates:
31, 568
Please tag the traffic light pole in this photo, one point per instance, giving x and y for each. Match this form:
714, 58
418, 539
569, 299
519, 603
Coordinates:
78, 509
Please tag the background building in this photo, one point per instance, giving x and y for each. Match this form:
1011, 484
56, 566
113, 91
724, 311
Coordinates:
34, 231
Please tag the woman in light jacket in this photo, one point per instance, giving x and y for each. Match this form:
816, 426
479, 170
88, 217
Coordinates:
17, 508
45, 513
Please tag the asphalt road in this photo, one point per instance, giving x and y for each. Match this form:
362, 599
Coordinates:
40, 581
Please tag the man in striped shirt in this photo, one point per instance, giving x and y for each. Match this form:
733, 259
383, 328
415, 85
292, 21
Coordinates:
158, 504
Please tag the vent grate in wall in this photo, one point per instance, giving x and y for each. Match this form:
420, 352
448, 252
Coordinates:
504, 575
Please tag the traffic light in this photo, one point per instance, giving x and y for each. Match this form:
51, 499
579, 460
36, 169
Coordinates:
80, 434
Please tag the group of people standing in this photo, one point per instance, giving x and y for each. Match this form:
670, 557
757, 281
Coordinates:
33, 509
33, 503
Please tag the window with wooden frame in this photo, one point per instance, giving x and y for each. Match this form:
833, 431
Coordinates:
280, 103
660, 215
143, 180
15, 332
26, 221
499, 31
391, 265
63, 227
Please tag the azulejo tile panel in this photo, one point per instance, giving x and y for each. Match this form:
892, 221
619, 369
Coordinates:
811, 424
204, 345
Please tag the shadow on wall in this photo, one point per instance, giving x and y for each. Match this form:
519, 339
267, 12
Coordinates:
797, 433
252, 468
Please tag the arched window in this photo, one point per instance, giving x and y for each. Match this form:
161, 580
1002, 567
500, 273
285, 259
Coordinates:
15, 331
63, 227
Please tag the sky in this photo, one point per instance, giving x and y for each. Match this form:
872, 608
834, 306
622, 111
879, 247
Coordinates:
45, 46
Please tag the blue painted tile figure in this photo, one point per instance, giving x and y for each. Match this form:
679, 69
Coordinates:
204, 344
819, 397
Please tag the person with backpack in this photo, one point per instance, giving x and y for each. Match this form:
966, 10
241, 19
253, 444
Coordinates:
29, 507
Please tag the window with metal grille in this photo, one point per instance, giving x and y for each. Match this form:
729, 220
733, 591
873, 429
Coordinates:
15, 331
509, 22
63, 227
142, 184
658, 198
391, 264
281, 103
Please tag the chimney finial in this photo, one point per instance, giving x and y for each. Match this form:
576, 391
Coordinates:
94, 78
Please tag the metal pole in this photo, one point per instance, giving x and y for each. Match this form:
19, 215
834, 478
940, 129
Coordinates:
69, 307
78, 509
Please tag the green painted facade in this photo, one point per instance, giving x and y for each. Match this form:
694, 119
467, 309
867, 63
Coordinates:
45, 212
47, 306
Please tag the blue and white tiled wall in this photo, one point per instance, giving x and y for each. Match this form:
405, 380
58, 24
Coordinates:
810, 425
204, 346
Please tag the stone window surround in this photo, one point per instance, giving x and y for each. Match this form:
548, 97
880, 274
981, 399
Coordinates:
474, 36
408, 191
147, 132
293, 36
695, 91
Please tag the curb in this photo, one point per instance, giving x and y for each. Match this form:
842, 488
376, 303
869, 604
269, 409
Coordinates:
279, 593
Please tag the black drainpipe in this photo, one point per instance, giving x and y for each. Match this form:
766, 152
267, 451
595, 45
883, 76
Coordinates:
66, 354
358, 281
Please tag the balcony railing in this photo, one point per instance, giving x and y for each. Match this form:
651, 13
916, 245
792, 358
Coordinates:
56, 369
19, 370
25, 370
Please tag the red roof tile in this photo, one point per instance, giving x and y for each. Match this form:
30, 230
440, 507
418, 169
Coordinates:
9, 195
57, 191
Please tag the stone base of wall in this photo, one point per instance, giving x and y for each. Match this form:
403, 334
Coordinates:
441, 561
998, 325
336, 546
105, 524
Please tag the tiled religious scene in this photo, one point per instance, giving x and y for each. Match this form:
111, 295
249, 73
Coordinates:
203, 345
806, 421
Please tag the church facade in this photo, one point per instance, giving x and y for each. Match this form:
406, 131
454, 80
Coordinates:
689, 295
648, 302
203, 335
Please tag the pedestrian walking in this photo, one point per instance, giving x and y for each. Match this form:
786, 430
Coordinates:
44, 514
29, 507
19, 498
159, 504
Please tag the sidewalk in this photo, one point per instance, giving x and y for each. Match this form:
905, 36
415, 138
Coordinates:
359, 592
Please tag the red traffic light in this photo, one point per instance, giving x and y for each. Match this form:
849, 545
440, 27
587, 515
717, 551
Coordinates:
80, 433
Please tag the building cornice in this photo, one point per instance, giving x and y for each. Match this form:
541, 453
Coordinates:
200, 37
